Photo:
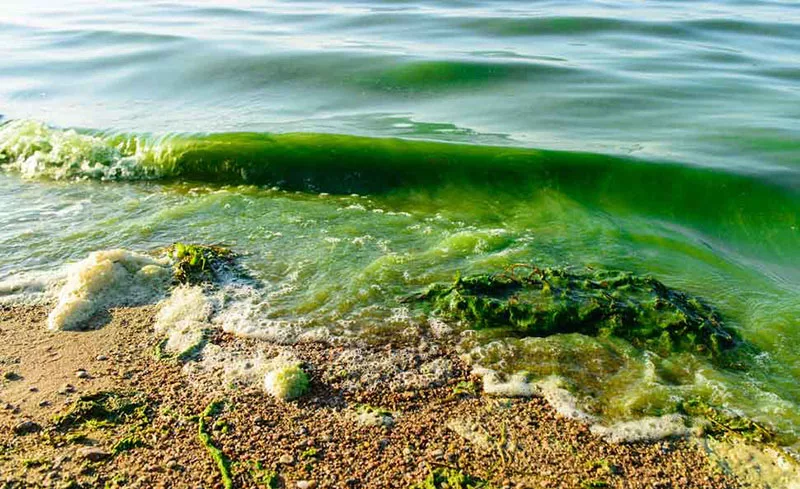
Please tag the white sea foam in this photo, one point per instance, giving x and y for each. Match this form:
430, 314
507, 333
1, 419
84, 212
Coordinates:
278, 371
551, 388
243, 310
516, 385
374, 419
30, 287
561, 399
648, 428
183, 318
471, 431
108, 278
35, 150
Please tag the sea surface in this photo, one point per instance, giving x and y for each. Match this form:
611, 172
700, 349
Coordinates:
355, 152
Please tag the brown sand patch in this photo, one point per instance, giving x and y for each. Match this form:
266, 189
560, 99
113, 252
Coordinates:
320, 440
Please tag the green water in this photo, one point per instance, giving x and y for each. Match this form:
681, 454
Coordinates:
356, 153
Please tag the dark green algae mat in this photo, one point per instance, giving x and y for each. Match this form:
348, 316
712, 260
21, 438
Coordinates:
529, 301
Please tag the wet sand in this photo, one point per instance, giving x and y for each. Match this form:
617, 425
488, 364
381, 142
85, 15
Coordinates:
373, 422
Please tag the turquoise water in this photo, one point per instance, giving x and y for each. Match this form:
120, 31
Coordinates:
354, 153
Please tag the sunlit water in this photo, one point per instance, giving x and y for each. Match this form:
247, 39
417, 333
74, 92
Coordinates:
697, 104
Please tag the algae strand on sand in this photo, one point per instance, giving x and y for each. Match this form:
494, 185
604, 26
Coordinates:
223, 464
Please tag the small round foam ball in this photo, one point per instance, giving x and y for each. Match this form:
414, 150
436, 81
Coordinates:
286, 382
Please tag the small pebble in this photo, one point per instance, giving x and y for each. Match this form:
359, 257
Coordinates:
27, 427
306, 484
93, 454
102, 358
66, 389
285, 459
82, 374
44, 403
437, 453
60, 460
34, 389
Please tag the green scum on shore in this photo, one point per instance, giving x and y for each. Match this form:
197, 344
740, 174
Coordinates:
532, 301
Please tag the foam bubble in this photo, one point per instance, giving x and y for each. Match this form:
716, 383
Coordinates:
374, 419
286, 380
551, 388
221, 366
108, 278
243, 310
516, 385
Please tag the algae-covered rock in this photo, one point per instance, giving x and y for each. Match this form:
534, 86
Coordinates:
541, 302
196, 264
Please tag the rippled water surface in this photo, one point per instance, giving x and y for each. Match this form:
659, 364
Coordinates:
657, 137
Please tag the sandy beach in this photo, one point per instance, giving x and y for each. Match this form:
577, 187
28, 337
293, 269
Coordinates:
372, 432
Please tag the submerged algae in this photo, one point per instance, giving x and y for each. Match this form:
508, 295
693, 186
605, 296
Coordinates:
722, 423
547, 301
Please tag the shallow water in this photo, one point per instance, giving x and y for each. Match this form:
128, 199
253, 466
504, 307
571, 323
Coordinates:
672, 148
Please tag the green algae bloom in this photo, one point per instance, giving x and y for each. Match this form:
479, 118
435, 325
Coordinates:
540, 302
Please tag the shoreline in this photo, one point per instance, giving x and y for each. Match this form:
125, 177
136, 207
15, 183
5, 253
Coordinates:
375, 416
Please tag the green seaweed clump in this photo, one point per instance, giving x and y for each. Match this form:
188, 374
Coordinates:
197, 264
725, 424
465, 388
127, 443
452, 479
547, 301
104, 409
263, 477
